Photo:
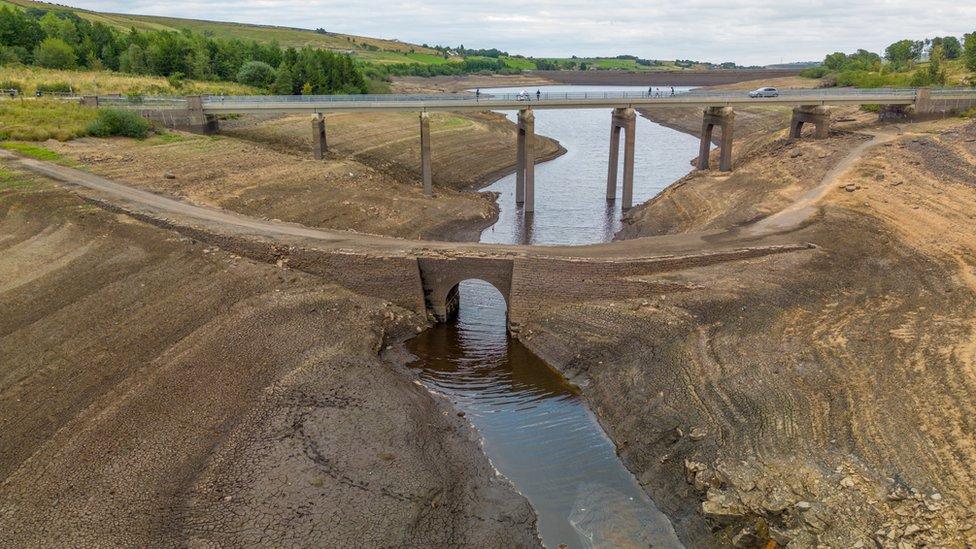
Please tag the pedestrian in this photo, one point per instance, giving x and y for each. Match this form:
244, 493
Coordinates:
650, 91
672, 91
538, 95
477, 94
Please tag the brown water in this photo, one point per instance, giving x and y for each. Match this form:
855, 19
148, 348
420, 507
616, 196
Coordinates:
536, 428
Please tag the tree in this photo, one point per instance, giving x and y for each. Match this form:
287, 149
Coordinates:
950, 45
284, 83
133, 60
937, 68
969, 51
256, 73
904, 53
54, 53
835, 62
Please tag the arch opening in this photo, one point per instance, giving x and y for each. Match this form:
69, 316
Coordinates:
475, 294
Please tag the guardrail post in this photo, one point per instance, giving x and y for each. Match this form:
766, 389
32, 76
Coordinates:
425, 167
320, 145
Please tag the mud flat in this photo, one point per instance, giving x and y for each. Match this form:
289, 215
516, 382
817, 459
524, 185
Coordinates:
457, 84
370, 182
661, 78
822, 397
154, 390
468, 150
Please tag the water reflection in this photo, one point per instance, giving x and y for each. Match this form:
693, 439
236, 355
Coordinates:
570, 201
537, 430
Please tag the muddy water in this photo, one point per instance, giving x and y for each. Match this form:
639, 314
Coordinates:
537, 430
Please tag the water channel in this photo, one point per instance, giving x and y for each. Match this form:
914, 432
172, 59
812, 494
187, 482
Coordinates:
537, 429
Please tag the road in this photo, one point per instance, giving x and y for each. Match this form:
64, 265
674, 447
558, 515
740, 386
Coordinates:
218, 105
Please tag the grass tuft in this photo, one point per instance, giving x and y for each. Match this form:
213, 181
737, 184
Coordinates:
12, 181
42, 119
32, 151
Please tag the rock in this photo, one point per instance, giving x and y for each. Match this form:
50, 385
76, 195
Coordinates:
781, 537
697, 433
803, 505
169, 175
847, 482
746, 538
796, 154
850, 188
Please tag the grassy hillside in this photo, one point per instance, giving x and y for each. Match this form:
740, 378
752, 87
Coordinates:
371, 49
85, 82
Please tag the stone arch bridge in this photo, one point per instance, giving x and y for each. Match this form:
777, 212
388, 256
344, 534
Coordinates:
423, 276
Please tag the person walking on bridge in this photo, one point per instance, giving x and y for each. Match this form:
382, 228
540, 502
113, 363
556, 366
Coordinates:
477, 94
538, 95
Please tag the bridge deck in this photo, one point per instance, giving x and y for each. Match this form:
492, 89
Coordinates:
569, 100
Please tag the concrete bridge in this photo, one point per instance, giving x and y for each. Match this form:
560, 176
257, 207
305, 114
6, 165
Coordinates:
202, 114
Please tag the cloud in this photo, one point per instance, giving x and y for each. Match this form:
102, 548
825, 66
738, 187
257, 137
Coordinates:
747, 32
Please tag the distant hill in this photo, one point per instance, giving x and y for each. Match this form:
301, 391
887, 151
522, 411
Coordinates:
795, 65
376, 50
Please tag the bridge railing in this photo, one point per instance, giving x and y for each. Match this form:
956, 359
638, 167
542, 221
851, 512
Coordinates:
468, 97
139, 102
816, 94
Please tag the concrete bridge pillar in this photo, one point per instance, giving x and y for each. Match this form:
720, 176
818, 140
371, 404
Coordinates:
813, 114
320, 145
525, 161
625, 119
425, 168
724, 118
198, 120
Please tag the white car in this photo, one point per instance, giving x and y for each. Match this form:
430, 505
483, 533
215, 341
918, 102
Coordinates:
764, 92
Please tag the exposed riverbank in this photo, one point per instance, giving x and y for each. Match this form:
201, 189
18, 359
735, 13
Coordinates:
800, 397
370, 183
158, 390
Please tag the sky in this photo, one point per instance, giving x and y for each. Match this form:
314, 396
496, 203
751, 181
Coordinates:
747, 32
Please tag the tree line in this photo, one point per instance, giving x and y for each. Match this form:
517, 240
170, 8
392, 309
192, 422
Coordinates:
63, 40
899, 65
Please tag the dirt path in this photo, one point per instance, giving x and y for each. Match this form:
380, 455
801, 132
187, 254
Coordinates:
177, 211
807, 205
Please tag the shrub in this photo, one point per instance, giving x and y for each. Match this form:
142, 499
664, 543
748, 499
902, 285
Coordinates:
814, 72
54, 53
11, 85
119, 122
175, 80
256, 73
55, 87
12, 55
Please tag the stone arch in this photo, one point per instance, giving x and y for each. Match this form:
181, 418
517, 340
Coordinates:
441, 276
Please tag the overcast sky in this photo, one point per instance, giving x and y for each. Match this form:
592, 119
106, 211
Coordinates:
747, 32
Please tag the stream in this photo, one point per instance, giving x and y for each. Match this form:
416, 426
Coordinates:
536, 427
